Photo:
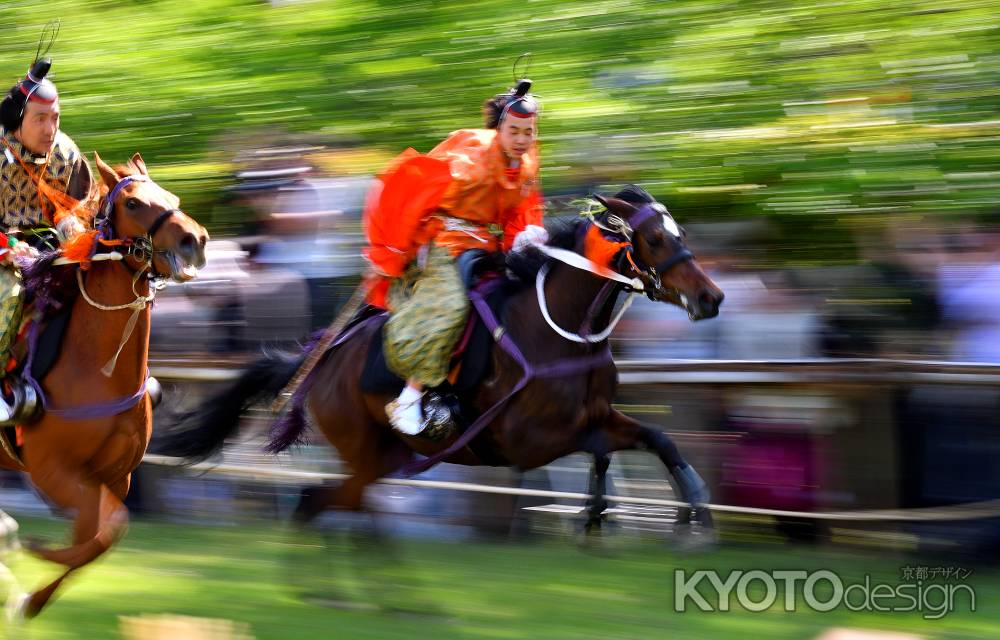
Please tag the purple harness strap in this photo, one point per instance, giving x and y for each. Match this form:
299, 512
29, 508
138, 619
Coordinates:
85, 412
555, 369
347, 335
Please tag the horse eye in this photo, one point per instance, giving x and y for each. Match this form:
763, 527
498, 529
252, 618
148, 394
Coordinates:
132, 203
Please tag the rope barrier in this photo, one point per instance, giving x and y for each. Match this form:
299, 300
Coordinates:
969, 511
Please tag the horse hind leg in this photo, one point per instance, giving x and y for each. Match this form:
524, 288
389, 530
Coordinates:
597, 503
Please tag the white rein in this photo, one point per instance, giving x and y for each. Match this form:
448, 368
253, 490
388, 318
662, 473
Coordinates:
137, 305
580, 262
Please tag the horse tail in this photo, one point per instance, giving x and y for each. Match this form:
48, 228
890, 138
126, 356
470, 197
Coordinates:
291, 427
197, 434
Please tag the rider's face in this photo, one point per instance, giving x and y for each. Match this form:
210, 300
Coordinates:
39, 127
517, 135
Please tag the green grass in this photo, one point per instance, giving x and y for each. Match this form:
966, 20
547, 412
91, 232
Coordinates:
545, 590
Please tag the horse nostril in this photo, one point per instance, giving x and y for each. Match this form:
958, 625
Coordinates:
189, 248
709, 302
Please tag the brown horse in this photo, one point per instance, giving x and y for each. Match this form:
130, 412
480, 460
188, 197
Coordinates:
96, 428
564, 408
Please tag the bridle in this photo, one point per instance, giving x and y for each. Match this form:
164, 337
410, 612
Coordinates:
140, 248
648, 278
651, 275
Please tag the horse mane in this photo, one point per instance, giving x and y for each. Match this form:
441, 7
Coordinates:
635, 195
51, 287
566, 232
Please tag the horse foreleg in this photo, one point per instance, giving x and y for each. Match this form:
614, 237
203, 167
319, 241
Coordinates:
101, 522
620, 432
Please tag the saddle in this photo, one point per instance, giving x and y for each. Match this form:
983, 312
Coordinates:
470, 360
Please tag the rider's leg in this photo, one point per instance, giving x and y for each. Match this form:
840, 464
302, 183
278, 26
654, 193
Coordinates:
429, 311
405, 411
11, 305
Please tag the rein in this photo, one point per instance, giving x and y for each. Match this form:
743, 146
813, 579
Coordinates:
626, 229
559, 368
141, 248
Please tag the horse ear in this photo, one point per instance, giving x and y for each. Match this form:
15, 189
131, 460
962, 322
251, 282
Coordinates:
110, 177
615, 205
139, 164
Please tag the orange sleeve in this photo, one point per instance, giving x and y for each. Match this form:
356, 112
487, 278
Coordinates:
397, 212
528, 212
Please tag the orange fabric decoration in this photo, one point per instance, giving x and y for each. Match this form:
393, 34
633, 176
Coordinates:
80, 247
599, 249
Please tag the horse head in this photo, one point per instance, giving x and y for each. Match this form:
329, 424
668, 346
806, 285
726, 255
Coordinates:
158, 235
666, 266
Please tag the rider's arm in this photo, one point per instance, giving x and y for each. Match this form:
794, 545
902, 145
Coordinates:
527, 216
81, 183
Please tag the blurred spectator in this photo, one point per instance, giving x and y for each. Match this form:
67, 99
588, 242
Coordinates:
967, 285
307, 224
885, 306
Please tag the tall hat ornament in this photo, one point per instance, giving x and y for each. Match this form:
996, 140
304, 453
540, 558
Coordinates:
521, 104
34, 86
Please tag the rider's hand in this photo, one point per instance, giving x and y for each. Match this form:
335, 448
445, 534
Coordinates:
69, 227
532, 234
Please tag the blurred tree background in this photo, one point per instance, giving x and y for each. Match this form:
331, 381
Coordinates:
822, 116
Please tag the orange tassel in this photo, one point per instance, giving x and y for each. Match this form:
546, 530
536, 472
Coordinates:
80, 247
599, 249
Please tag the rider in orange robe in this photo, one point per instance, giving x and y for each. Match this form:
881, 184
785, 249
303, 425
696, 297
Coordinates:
44, 181
477, 190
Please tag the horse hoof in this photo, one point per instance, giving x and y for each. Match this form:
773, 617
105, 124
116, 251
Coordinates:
596, 537
16, 609
694, 531
594, 523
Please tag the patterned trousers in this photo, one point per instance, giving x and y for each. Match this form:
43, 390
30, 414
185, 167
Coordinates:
429, 308
11, 306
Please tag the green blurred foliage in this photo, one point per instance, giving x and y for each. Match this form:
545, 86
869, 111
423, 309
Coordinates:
813, 114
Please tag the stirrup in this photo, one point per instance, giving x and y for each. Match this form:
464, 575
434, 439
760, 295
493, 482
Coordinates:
439, 420
155, 391
23, 403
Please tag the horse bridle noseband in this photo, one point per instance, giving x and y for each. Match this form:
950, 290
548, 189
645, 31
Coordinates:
141, 248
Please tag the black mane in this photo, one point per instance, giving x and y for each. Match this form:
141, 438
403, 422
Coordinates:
635, 195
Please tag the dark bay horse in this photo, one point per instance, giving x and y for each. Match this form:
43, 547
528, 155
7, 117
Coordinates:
96, 427
553, 415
